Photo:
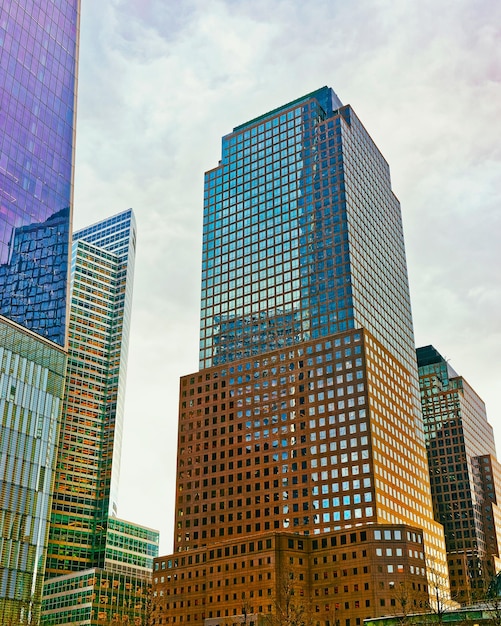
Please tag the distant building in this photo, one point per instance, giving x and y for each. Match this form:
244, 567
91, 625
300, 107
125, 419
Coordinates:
304, 417
465, 475
39, 49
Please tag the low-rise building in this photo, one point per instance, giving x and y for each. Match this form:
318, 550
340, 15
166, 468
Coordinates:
337, 579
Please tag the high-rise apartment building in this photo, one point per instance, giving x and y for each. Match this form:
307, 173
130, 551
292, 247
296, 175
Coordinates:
88, 458
38, 60
305, 416
465, 475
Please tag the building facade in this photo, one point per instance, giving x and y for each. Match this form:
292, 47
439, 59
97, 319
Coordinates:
465, 475
305, 416
300, 227
38, 63
490, 480
286, 578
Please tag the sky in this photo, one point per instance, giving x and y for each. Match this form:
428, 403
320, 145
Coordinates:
161, 81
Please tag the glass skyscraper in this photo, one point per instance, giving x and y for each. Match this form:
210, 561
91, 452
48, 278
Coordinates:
294, 247
37, 109
38, 62
98, 566
88, 459
304, 417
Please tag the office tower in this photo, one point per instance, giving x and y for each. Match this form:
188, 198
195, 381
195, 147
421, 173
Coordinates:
98, 567
88, 457
305, 416
294, 245
38, 59
465, 475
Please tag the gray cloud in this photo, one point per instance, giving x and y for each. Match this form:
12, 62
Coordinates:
161, 82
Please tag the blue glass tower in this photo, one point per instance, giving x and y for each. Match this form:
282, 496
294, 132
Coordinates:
38, 60
294, 247
37, 106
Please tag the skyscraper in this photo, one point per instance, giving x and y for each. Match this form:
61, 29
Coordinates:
294, 246
465, 475
305, 416
98, 566
88, 458
38, 59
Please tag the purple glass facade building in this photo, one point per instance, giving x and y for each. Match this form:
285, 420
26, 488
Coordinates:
38, 63
37, 105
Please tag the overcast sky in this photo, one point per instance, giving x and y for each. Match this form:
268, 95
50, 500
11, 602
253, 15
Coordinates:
161, 81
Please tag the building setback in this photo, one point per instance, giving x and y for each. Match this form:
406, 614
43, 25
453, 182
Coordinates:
38, 62
465, 475
304, 417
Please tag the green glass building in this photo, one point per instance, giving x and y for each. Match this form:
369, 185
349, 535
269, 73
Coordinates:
119, 593
98, 566
32, 375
